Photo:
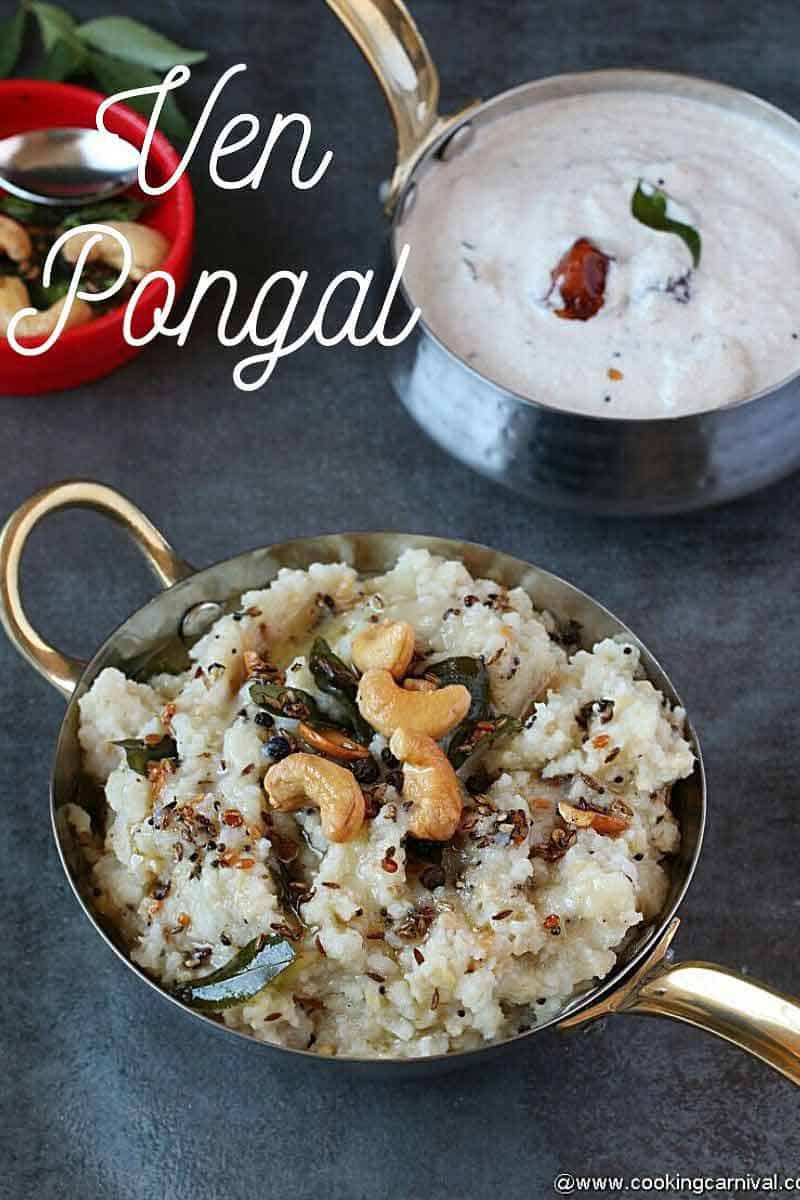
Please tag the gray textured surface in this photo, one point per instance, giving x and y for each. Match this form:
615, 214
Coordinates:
109, 1093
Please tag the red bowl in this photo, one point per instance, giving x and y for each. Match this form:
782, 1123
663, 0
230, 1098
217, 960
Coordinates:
91, 351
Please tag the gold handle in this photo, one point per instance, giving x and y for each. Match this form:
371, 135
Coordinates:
758, 1019
59, 669
388, 37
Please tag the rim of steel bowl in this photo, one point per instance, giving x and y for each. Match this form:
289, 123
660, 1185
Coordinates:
561, 86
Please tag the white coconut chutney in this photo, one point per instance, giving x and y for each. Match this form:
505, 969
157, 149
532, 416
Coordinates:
490, 226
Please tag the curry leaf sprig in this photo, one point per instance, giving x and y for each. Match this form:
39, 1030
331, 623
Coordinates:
117, 52
649, 206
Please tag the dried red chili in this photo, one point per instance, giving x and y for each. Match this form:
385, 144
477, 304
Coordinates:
580, 276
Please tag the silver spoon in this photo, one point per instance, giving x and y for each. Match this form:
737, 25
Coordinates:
67, 166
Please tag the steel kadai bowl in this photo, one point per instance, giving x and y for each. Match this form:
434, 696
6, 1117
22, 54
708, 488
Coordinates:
599, 464
754, 1017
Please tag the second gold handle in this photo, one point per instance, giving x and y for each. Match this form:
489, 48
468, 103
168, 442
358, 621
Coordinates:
59, 669
750, 1015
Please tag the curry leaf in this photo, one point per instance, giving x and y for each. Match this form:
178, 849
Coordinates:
55, 23
141, 752
44, 297
482, 735
62, 60
12, 33
331, 675
124, 208
28, 213
336, 679
471, 673
284, 701
65, 53
649, 206
247, 974
115, 75
133, 42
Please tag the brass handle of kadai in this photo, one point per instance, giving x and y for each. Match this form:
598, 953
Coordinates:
387, 36
750, 1015
62, 671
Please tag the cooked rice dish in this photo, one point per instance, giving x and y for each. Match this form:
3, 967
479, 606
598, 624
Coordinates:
392, 816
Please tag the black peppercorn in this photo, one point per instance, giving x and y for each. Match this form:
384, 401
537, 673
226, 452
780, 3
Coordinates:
276, 748
264, 719
365, 770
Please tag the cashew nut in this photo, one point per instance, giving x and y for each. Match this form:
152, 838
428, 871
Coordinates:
45, 321
307, 781
387, 647
14, 296
148, 248
387, 707
591, 818
430, 784
15, 240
